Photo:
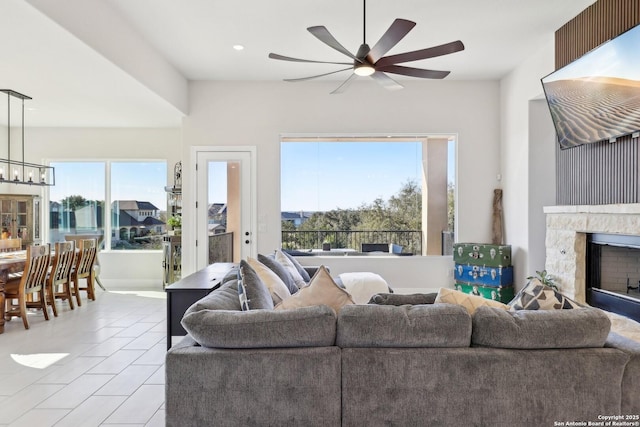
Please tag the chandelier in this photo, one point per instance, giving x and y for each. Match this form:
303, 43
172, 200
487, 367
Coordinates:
21, 172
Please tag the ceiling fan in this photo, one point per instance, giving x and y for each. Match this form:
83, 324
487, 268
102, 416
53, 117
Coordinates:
372, 62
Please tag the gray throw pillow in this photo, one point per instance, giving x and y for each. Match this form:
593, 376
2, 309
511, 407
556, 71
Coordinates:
256, 292
399, 299
300, 268
280, 271
223, 298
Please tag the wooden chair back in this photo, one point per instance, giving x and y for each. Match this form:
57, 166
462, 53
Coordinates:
10, 245
65, 253
35, 269
87, 249
60, 274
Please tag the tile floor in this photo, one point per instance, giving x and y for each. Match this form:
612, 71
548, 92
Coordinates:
101, 364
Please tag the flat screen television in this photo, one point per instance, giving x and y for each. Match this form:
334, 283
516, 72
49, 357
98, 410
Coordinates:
597, 96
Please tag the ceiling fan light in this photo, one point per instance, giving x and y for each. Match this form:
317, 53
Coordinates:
364, 70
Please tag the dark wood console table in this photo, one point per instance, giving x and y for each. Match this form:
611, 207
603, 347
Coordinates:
183, 293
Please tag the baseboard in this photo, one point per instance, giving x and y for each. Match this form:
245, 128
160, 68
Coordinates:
128, 284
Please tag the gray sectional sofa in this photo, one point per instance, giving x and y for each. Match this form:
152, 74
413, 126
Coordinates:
397, 365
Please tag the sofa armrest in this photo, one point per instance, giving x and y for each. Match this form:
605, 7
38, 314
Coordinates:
630, 404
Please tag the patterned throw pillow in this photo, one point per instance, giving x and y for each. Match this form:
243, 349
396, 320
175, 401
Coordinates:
254, 292
537, 296
468, 301
242, 293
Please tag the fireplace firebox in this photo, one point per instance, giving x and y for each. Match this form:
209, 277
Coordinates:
613, 273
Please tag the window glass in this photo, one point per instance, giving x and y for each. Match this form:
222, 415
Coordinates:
76, 202
138, 204
361, 195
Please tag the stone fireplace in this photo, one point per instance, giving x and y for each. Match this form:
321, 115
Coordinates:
569, 231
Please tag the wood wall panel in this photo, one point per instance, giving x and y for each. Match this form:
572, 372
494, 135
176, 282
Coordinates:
602, 172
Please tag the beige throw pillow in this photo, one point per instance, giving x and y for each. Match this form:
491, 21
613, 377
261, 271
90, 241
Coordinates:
286, 263
322, 290
276, 286
468, 301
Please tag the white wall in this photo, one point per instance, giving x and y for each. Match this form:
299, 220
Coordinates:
118, 268
521, 160
257, 113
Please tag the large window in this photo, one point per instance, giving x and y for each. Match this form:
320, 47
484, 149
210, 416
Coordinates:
391, 194
128, 210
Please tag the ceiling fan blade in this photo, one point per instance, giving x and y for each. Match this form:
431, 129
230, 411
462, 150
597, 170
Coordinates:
431, 52
288, 58
325, 37
390, 38
414, 72
319, 75
386, 81
344, 85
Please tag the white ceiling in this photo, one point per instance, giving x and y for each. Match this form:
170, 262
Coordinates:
127, 63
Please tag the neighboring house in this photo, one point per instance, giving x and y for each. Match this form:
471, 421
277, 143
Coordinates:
296, 218
136, 219
217, 218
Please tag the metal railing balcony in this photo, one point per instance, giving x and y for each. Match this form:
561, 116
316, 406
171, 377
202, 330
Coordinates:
349, 240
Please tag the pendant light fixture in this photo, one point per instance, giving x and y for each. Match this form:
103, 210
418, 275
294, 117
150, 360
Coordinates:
18, 171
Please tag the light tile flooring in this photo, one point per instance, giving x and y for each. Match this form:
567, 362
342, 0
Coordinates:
101, 364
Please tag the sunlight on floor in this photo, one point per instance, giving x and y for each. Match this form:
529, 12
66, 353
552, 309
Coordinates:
38, 360
146, 294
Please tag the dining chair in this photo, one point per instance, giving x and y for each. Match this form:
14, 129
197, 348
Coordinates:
83, 269
59, 278
33, 281
96, 265
10, 245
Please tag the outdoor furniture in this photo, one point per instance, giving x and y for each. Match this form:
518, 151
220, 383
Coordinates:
32, 282
59, 278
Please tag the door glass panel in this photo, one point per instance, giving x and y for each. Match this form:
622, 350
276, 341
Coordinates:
22, 207
222, 212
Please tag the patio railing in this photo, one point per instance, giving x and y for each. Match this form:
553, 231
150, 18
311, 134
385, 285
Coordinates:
410, 240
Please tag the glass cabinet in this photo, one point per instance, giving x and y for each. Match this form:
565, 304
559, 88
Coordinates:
20, 218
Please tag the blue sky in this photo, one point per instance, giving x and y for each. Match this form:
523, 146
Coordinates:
142, 181
325, 176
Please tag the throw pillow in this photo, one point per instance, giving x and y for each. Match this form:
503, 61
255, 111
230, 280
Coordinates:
242, 295
322, 290
362, 285
468, 301
303, 273
282, 272
291, 268
276, 286
256, 293
223, 298
537, 296
400, 299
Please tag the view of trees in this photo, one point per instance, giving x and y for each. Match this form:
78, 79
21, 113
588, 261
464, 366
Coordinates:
396, 220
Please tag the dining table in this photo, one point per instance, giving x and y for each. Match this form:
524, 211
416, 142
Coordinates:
10, 262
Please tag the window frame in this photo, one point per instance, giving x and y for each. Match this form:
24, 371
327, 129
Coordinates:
391, 137
46, 199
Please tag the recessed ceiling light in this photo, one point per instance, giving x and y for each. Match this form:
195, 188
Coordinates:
238, 47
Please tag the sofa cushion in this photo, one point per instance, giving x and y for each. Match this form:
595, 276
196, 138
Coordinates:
282, 272
256, 293
322, 290
223, 298
468, 301
300, 327
537, 296
537, 329
441, 325
276, 286
291, 268
402, 299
